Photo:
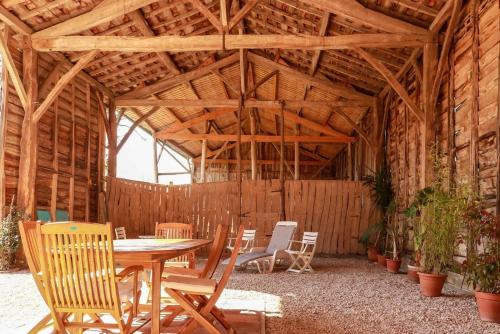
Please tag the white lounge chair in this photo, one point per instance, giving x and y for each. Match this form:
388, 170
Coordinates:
280, 240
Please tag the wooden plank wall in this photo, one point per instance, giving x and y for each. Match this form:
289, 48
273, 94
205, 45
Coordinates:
339, 210
68, 144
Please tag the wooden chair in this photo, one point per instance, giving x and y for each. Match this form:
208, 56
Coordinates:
78, 273
27, 230
303, 255
120, 233
176, 231
213, 258
197, 296
247, 242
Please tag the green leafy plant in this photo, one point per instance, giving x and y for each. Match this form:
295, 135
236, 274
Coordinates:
382, 193
482, 239
412, 213
441, 216
395, 231
9, 235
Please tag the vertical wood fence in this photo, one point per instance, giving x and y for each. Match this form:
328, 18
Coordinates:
339, 210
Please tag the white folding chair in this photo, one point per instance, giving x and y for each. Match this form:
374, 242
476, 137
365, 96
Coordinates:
247, 242
120, 233
303, 255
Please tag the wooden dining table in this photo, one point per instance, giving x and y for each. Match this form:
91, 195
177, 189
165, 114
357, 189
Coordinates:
152, 254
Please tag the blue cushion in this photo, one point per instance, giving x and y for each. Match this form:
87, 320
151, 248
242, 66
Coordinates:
62, 216
43, 215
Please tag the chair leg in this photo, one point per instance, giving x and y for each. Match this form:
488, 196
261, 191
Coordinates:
197, 316
41, 324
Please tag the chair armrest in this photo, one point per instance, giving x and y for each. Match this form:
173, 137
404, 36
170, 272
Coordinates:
129, 271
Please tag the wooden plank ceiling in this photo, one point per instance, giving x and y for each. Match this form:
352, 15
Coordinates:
291, 74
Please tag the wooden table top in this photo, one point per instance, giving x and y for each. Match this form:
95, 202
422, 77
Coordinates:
158, 246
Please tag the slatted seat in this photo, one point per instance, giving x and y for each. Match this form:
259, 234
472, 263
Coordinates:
78, 273
197, 296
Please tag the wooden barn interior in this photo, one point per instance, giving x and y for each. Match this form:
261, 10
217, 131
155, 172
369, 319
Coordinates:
281, 107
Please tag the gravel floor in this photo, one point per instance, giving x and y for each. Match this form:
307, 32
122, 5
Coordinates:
344, 295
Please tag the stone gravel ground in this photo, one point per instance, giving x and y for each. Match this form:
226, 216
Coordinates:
344, 295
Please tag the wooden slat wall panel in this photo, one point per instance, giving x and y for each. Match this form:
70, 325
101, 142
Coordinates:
339, 210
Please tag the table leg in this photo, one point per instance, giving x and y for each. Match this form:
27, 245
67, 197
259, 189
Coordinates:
157, 269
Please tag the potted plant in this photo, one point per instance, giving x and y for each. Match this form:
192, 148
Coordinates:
482, 265
412, 213
380, 184
9, 236
441, 218
394, 228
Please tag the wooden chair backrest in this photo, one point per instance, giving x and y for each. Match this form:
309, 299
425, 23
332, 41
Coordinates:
27, 230
221, 285
173, 231
216, 251
78, 267
120, 233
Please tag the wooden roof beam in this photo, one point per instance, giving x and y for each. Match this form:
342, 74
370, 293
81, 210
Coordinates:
441, 18
242, 13
224, 42
134, 126
262, 162
233, 103
104, 12
61, 83
334, 88
257, 138
393, 81
408, 64
168, 83
317, 53
355, 11
13, 73
198, 4
14, 22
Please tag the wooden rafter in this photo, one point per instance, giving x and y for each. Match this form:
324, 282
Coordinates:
356, 127
134, 126
14, 22
168, 83
225, 42
260, 83
408, 64
441, 18
242, 13
61, 83
263, 162
257, 138
208, 14
355, 11
104, 12
178, 126
317, 54
13, 73
387, 74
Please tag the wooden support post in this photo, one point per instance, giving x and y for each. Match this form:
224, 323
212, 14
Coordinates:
71, 202
28, 143
155, 160
428, 126
349, 162
296, 156
282, 165
88, 186
112, 141
203, 164
474, 115
241, 106
253, 146
55, 162
3, 123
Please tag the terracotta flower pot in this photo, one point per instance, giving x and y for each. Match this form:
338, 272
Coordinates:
381, 259
431, 284
489, 306
393, 265
372, 254
413, 273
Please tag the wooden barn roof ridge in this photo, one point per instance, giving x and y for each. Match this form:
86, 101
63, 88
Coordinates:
174, 65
